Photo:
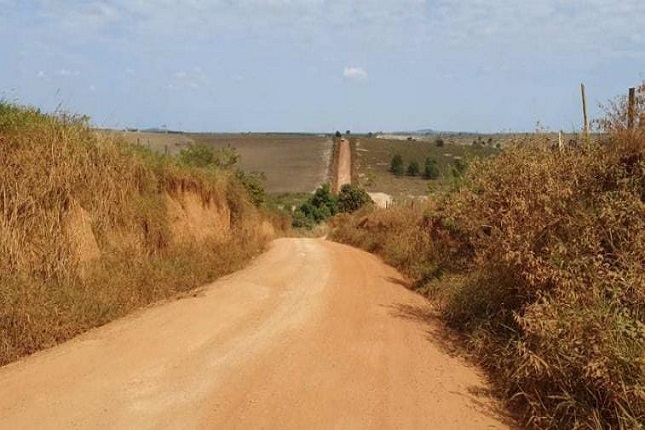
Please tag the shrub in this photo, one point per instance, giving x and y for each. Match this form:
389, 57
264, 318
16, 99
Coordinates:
431, 171
253, 183
459, 168
439, 142
205, 155
352, 198
413, 169
396, 165
320, 206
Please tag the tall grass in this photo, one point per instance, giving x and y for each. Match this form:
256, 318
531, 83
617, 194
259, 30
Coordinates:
538, 258
50, 165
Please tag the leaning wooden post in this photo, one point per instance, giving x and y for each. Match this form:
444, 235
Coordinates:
631, 108
584, 109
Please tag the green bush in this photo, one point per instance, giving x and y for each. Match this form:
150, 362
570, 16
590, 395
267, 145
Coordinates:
459, 168
352, 198
320, 206
205, 155
431, 171
396, 165
413, 169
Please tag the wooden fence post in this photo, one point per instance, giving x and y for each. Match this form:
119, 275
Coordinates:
631, 108
584, 109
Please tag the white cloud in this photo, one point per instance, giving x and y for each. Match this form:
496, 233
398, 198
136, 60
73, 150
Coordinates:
193, 79
66, 72
354, 73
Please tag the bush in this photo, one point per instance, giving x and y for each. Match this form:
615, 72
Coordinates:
253, 183
459, 168
205, 155
352, 198
413, 169
320, 206
439, 142
431, 170
396, 165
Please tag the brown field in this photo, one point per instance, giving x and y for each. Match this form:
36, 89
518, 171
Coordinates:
373, 156
168, 143
291, 163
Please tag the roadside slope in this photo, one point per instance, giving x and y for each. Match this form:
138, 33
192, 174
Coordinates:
311, 335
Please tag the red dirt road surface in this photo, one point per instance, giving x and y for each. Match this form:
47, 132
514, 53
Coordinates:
312, 335
344, 175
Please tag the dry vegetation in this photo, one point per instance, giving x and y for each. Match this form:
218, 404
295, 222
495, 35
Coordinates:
85, 231
538, 259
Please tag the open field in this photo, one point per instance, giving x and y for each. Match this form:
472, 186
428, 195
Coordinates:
373, 156
165, 143
291, 163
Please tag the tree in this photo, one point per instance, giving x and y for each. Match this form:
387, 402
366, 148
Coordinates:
253, 183
431, 170
348, 132
352, 198
320, 206
338, 135
396, 165
413, 169
459, 168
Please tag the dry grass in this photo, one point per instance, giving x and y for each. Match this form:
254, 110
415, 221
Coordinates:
50, 165
538, 258
373, 158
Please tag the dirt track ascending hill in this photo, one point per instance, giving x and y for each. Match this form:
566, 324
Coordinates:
344, 168
312, 335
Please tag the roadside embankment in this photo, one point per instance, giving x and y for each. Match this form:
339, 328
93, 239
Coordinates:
92, 228
537, 258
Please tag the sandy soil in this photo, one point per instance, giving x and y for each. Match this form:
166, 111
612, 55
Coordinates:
381, 200
313, 335
344, 165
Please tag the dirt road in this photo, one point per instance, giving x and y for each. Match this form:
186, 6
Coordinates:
344, 174
313, 335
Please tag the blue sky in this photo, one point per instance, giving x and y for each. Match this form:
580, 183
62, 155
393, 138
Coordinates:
321, 65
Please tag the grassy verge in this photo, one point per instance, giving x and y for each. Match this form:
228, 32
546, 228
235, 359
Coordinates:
50, 289
538, 258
